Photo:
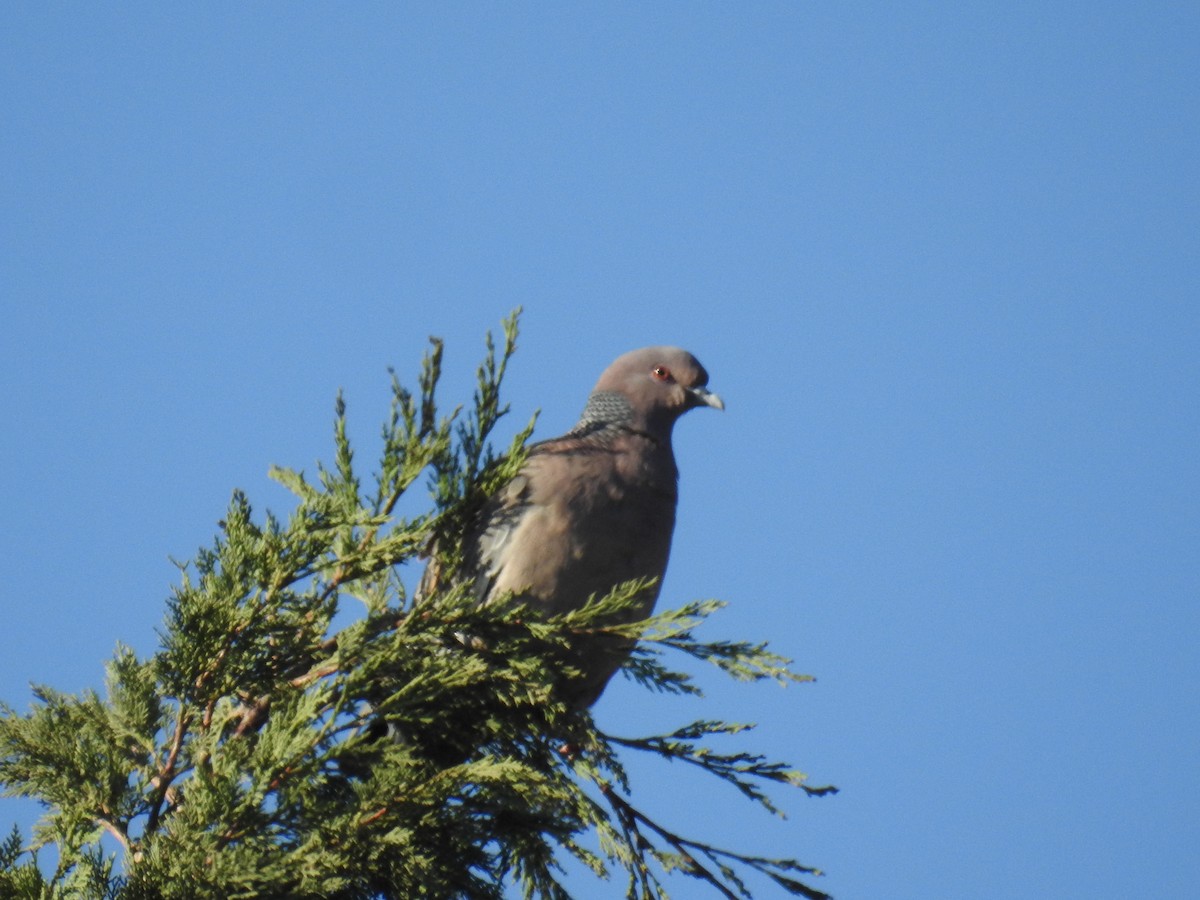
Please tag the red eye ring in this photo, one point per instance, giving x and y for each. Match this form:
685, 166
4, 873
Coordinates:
661, 373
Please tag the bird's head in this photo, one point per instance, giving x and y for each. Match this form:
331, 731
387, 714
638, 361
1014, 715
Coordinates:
660, 384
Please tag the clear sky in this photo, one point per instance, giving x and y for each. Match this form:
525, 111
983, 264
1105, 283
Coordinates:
941, 260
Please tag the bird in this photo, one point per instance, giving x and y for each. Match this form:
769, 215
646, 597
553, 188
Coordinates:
594, 508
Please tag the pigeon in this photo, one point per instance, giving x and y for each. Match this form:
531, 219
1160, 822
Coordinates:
594, 508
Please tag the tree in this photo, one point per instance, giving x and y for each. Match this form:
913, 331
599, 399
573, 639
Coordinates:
417, 749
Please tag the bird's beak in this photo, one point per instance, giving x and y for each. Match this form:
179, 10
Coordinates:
705, 397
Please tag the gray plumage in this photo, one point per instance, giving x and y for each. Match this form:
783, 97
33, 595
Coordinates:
595, 507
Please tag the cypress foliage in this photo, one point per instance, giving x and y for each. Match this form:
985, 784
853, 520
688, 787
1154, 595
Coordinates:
417, 751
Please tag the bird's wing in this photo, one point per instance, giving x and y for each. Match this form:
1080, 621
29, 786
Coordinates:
500, 522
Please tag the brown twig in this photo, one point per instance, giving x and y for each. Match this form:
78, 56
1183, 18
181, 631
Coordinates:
117, 832
373, 817
254, 716
162, 781
326, 668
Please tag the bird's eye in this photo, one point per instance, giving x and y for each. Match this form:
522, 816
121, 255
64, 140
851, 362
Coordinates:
662, 373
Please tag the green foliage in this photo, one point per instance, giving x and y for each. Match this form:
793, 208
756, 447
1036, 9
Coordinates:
248, 757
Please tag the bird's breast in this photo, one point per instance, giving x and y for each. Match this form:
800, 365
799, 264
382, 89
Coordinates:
590, 524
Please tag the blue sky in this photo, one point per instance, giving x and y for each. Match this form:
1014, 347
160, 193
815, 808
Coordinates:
940, 259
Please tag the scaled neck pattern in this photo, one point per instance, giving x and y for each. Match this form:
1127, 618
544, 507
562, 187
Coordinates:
606, 414
609, 415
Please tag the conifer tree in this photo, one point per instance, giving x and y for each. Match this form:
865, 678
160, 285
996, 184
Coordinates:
413, 748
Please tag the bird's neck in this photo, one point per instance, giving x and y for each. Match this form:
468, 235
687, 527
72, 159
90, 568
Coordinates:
609, 414
606, 408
